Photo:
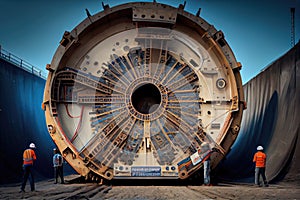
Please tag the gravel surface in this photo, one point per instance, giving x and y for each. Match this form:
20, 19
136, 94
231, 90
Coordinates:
49, 190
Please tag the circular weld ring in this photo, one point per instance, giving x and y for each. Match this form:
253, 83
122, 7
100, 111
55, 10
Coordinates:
108, 174
221, 83
183, 174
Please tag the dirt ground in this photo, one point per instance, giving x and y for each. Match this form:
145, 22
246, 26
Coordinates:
73, 190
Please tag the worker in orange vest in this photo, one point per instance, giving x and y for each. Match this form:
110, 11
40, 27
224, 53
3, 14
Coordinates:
28, 159
260, 166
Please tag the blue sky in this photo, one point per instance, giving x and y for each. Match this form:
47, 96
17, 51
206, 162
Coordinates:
258, 31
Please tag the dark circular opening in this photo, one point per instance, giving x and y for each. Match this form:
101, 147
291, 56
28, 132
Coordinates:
108, 174
146, 98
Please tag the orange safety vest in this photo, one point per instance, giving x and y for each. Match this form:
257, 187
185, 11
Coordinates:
260, 159
28, 157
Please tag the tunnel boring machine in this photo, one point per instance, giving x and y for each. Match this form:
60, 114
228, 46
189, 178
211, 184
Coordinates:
134, 90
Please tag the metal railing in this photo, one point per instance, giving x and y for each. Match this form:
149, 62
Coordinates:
22, 63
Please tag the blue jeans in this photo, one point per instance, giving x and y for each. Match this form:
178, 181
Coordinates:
28, 171
206, 166
260, 171
58, 172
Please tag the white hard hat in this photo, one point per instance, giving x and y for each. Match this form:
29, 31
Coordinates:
259, 148
32, 145
204, 144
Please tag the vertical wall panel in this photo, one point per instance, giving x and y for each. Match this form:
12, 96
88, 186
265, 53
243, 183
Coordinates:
271, 120
22, 121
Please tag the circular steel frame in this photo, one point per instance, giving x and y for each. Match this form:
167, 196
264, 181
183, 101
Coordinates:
99, 64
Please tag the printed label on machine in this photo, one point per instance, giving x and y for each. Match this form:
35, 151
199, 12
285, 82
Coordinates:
195, 158
145, 171
198, 157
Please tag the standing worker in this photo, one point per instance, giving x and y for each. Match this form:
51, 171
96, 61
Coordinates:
28, 159
58, 166
260, 166
205, 149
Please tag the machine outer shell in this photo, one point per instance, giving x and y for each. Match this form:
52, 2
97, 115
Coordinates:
215, 39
